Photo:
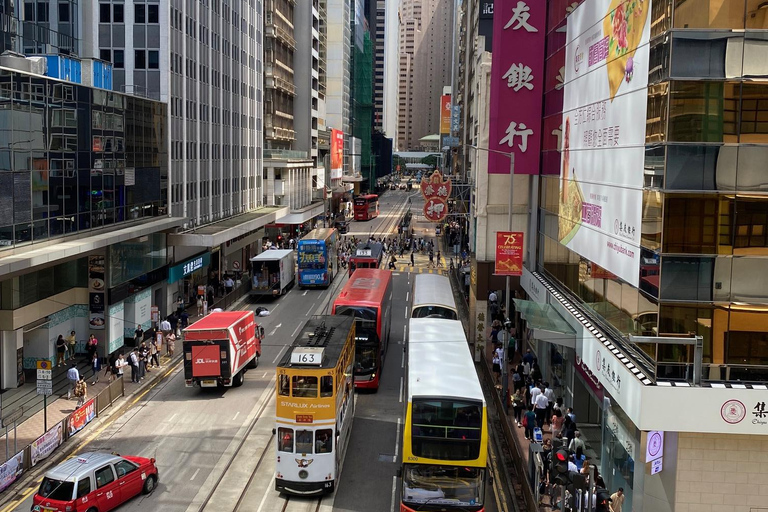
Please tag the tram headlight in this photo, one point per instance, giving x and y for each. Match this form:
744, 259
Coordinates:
303, 474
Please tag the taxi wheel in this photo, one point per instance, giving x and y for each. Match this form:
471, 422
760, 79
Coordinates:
92, 510
149, 484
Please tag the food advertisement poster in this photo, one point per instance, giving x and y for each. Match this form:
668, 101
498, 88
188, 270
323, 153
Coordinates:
517, 85
509, 253
96, 295
605, 103
44, 445
81, 417
337, 154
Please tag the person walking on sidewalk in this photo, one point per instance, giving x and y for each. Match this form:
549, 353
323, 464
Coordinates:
143, 358
96, 366
184, 320
556, 423
154, 361
133, 360
550, 394
540, 406
171, 344
529, 422
518, 404
199, 305
439, 260
73, 376
577, 442
71, 343
411, 258
91, 347
617, 500
61, 350
81, 391
138, 335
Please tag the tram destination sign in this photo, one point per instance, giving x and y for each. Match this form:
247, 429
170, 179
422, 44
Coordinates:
312, 356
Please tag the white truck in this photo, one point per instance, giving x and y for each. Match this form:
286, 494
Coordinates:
273, 271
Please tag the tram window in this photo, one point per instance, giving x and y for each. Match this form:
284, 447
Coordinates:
324, 441
284, 385
326, 386
304, 387
303, 441
285, 439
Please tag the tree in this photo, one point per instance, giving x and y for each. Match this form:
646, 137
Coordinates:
398, 160
430, 160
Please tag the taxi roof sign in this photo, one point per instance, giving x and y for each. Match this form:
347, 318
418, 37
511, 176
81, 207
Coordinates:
44, 364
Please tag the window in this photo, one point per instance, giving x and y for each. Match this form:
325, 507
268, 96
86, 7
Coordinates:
63, 12
104, 13
42, 11
105, 55
154, 59
83, 486
303, 441
117, 13
124, 467
104, 476
285, 386
29, 11
285, 440
140, 59
326, 386
324, 441
304, 387
153, 14
118, 59
139, 13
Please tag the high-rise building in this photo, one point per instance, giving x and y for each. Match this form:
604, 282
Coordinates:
426, 41
375, 13
391, 65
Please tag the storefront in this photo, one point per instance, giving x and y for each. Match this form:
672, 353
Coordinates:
185, 277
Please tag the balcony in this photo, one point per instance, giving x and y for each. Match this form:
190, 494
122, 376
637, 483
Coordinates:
285, 154
275, 82
276, 133
280, 34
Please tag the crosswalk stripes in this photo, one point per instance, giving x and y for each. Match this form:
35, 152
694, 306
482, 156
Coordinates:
421, 270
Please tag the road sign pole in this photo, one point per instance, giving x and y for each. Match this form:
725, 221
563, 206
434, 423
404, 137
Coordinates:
45, 413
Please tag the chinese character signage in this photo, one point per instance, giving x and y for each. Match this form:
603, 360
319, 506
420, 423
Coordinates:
337, 154
509, 253
517, 85
603, 133
187, 267
436, 192
445, 114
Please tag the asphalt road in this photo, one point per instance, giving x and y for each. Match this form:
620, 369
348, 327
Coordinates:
210, 444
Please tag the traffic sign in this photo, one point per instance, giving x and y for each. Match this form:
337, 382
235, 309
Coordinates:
45, 384
46, 392
12, 417
44, 364
44, 374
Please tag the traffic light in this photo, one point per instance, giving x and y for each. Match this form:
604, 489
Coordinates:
559, 473
603, 499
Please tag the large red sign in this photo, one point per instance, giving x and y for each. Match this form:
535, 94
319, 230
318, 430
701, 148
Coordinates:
436, 192
205, 361
82, 416
509, 253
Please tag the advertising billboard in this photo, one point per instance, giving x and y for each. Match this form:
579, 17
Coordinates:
509, 253
337, 153
445, 114
604, 111
435, 190
517, 85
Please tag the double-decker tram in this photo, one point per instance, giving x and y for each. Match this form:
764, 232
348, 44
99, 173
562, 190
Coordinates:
445, 439
366, 255
433, 297
367, 297
315, 406
318, 257
366, 207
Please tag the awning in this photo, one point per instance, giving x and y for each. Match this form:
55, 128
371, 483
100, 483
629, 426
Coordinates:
219, 232
546, 323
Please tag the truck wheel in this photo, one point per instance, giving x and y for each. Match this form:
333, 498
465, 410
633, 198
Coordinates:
238, 380
253, 363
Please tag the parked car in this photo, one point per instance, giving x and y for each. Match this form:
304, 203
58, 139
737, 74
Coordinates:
95, 481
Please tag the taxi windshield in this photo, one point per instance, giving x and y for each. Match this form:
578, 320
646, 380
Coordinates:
56, 489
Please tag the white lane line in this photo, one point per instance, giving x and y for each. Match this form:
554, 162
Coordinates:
397, 441
264, 499
403, 334
293, 335
195, 473
401, 390
265, 374
305, 292
170, 420
406, 313
312, 307
236, 415
394, 491
402, 361
275, 306
273, 331
407, 294
278, 354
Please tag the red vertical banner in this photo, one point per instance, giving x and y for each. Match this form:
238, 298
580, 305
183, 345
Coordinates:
509, 253
517, 85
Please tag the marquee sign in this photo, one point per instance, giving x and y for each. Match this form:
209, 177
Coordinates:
436, 192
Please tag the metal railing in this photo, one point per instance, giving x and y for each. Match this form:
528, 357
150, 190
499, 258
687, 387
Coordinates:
237, 292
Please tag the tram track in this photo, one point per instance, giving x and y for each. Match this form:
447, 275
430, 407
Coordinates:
292, 504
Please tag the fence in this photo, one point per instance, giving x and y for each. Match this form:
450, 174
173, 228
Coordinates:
42, 447
233, 296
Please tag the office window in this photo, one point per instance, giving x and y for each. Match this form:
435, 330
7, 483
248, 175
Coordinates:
104, 13
42, 12
118, 59
140, 59
63, 12
139, 13
29, 11
118, 13
154, 59
153, 14
105, 55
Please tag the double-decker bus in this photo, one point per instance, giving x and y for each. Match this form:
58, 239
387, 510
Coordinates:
315, 406
445, 436
433, 297
318, 257
366, 207
366, 255
367, 297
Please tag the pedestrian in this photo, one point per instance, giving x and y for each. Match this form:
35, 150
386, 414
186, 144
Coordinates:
229, 284
550, 394
143, 358
617, 500
111, 370
569, 412
184, 320
171, 344
199, 305
556, 423
71, 344
92, 346
577, 442
518, 404
61, 350
528, 357
529, 422
569, 430
411, 258
120, 365
540, 405
81, 391
138, 335
133, 360
496, 369
180, 304
431, 259
174, 321
154, 361
72, 376
96, 366
165, 327
579, 458
439, 259
392, 261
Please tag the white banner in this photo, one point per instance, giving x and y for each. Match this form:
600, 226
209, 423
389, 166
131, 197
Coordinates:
604, 111
11, 470
116, 332
44, 445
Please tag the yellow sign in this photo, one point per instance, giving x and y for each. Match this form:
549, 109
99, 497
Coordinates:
44, 364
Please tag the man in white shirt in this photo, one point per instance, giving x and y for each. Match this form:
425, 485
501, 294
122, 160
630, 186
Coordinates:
535, 391
165, 326
540, 404
550, 394
492, 297
72, 376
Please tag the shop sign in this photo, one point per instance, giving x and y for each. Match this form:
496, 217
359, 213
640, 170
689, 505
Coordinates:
655, 445
436, 192
533, 287
183, 269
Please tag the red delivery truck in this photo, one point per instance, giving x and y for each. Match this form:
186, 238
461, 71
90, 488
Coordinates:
219, 347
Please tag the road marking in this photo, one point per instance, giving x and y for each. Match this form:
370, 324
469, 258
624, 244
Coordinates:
406, 313
394, 491
236, 415
265, 375
403, 334
195, 474
402, 361
310, 309
397, 441
278, 354
293, 335
401, 390
170, 420
407, 294
305, 292
273, 331
264, 499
